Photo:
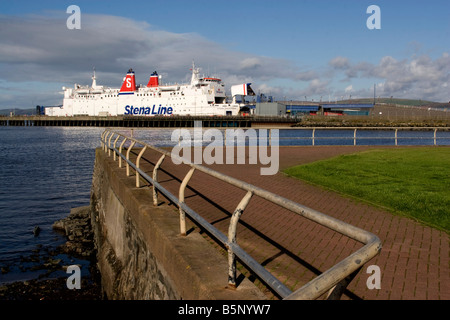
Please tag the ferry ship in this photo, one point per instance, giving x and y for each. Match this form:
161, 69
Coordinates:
203, 96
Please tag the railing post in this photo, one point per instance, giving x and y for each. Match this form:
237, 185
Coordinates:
138, 160
120, 151
102, 139
435, 129
336, 292
128, 157
181, 198
232, 238
396, 142
354, 137
313, 133
105, 143
155, 179
109, 143
114, 146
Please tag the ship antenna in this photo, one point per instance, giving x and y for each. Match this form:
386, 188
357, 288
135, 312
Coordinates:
94, 82
194, 78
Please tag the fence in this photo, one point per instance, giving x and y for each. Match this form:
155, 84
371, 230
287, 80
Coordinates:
364, 136
334, 280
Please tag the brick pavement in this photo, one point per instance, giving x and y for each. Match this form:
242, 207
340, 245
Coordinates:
414, 261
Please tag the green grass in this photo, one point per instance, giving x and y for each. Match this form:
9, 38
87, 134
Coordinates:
414, 182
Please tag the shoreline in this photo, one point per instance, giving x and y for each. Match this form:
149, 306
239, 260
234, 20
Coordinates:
80, 245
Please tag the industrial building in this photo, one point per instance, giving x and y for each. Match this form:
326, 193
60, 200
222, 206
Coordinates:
296, 109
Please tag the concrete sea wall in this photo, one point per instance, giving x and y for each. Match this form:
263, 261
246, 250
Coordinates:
140, 252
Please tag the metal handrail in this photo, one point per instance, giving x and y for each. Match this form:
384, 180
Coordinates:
395, 138
333, 280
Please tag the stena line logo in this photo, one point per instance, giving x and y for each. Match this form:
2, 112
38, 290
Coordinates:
130, 110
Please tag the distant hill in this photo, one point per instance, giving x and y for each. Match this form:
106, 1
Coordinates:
406, 102
18, 112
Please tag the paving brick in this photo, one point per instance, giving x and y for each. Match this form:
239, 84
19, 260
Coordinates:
414, 261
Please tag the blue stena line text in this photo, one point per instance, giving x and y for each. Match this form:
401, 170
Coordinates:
130, 110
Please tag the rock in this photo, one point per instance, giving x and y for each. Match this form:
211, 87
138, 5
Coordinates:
59, 225
78, 232
51, 289
36, 231
77, 229
75, 226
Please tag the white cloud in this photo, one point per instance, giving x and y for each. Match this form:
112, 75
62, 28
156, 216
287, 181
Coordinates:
416, 78
41, 48
339, 63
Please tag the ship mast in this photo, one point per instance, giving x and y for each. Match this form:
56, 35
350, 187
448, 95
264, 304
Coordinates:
195, 72
94, 81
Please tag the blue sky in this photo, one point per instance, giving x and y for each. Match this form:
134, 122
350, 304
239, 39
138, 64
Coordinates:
292, 49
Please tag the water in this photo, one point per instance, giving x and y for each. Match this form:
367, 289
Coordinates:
305, 137
323, 137
46, 171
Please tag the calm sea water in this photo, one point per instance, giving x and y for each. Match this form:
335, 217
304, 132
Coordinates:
46, 171
305, 137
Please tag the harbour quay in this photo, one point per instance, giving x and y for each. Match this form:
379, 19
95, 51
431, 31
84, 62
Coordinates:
149, 122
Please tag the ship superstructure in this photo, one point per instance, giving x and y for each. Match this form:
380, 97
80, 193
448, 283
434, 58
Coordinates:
202, 96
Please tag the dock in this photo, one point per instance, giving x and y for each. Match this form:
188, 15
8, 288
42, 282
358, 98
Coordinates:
148, 122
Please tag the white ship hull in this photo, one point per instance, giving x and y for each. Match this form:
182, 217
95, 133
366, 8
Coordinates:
202, 96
